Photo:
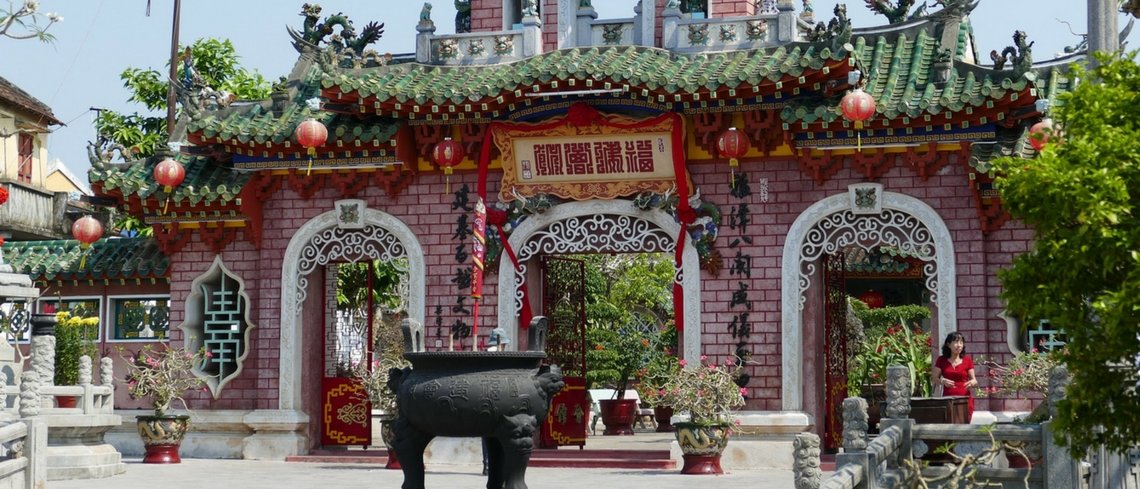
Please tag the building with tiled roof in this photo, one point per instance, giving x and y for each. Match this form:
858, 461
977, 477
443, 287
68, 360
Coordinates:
33, 211
581, 135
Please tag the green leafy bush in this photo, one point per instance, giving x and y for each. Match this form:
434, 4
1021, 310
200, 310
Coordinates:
74, 337
889, 343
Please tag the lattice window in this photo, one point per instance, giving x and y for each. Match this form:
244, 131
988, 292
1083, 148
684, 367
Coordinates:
217, 320
140, 319
1045, 338
78, 307
15, 321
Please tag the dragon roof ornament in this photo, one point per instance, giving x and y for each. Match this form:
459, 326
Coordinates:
344, 47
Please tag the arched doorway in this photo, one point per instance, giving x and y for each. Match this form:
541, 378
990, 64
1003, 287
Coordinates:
864, 216
326, 239
600, 227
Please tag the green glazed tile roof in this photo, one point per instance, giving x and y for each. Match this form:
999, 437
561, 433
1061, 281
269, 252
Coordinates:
900, 78
107, 259
657, 70
256, 126
207, 182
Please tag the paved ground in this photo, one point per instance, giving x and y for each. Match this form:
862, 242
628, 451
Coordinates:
243, 474
248, 474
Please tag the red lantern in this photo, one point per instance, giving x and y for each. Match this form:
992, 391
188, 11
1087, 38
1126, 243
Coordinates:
169, 173
732, 144
311, 133
1041, 133
3, 195
858, 106
873, 298
87, 230
447, 154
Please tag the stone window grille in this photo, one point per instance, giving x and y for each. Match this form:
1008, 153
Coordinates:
217, 320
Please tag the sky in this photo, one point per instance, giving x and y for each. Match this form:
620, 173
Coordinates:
98, 39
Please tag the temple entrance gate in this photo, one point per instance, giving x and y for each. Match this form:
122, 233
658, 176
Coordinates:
325, 240
600, 226
865, 216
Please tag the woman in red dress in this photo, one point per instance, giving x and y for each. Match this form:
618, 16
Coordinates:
954, 370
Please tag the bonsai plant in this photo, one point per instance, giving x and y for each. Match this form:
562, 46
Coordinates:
163, 375
74, 337
708, 394
1026, 372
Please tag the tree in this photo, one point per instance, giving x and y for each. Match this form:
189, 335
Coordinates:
1080, 196
24, 23
140, 134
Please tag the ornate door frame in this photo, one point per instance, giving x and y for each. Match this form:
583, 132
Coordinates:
319, 242
629, 229
864, 212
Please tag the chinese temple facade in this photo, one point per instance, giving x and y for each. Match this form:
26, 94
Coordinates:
577, 135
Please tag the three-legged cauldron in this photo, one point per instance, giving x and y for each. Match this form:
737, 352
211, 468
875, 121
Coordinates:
498, 396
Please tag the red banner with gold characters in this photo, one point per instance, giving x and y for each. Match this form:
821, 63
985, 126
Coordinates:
612, 157
346, 414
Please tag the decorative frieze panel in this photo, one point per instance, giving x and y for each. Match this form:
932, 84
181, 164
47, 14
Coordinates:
596, 233
337, 244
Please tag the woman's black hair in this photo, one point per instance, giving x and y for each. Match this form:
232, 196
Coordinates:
950, 338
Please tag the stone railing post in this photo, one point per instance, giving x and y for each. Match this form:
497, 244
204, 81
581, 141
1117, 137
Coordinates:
532, 33
898, 392
107, 378
854, 424
35, 449
806, 471
87, 402
424, 31
646, 23
786, 21
670, 18
29, 394
585, 26
1061, 470
43, 347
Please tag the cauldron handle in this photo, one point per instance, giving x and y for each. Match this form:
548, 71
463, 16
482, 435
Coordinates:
413, 335
536, 334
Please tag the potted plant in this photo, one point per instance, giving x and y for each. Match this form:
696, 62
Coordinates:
617, 354
163, 375
373, 378
708, 394
1024, 373
74, 338
651, 379
887, 342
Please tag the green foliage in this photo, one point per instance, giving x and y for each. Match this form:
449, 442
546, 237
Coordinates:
352, 287
616, 287
1083, 273
888, 343
215, 62
613, 355
662, 365
74, 337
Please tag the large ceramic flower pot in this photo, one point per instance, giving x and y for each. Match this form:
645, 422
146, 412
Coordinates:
663, 415
162, 437
701, 446
618, 415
